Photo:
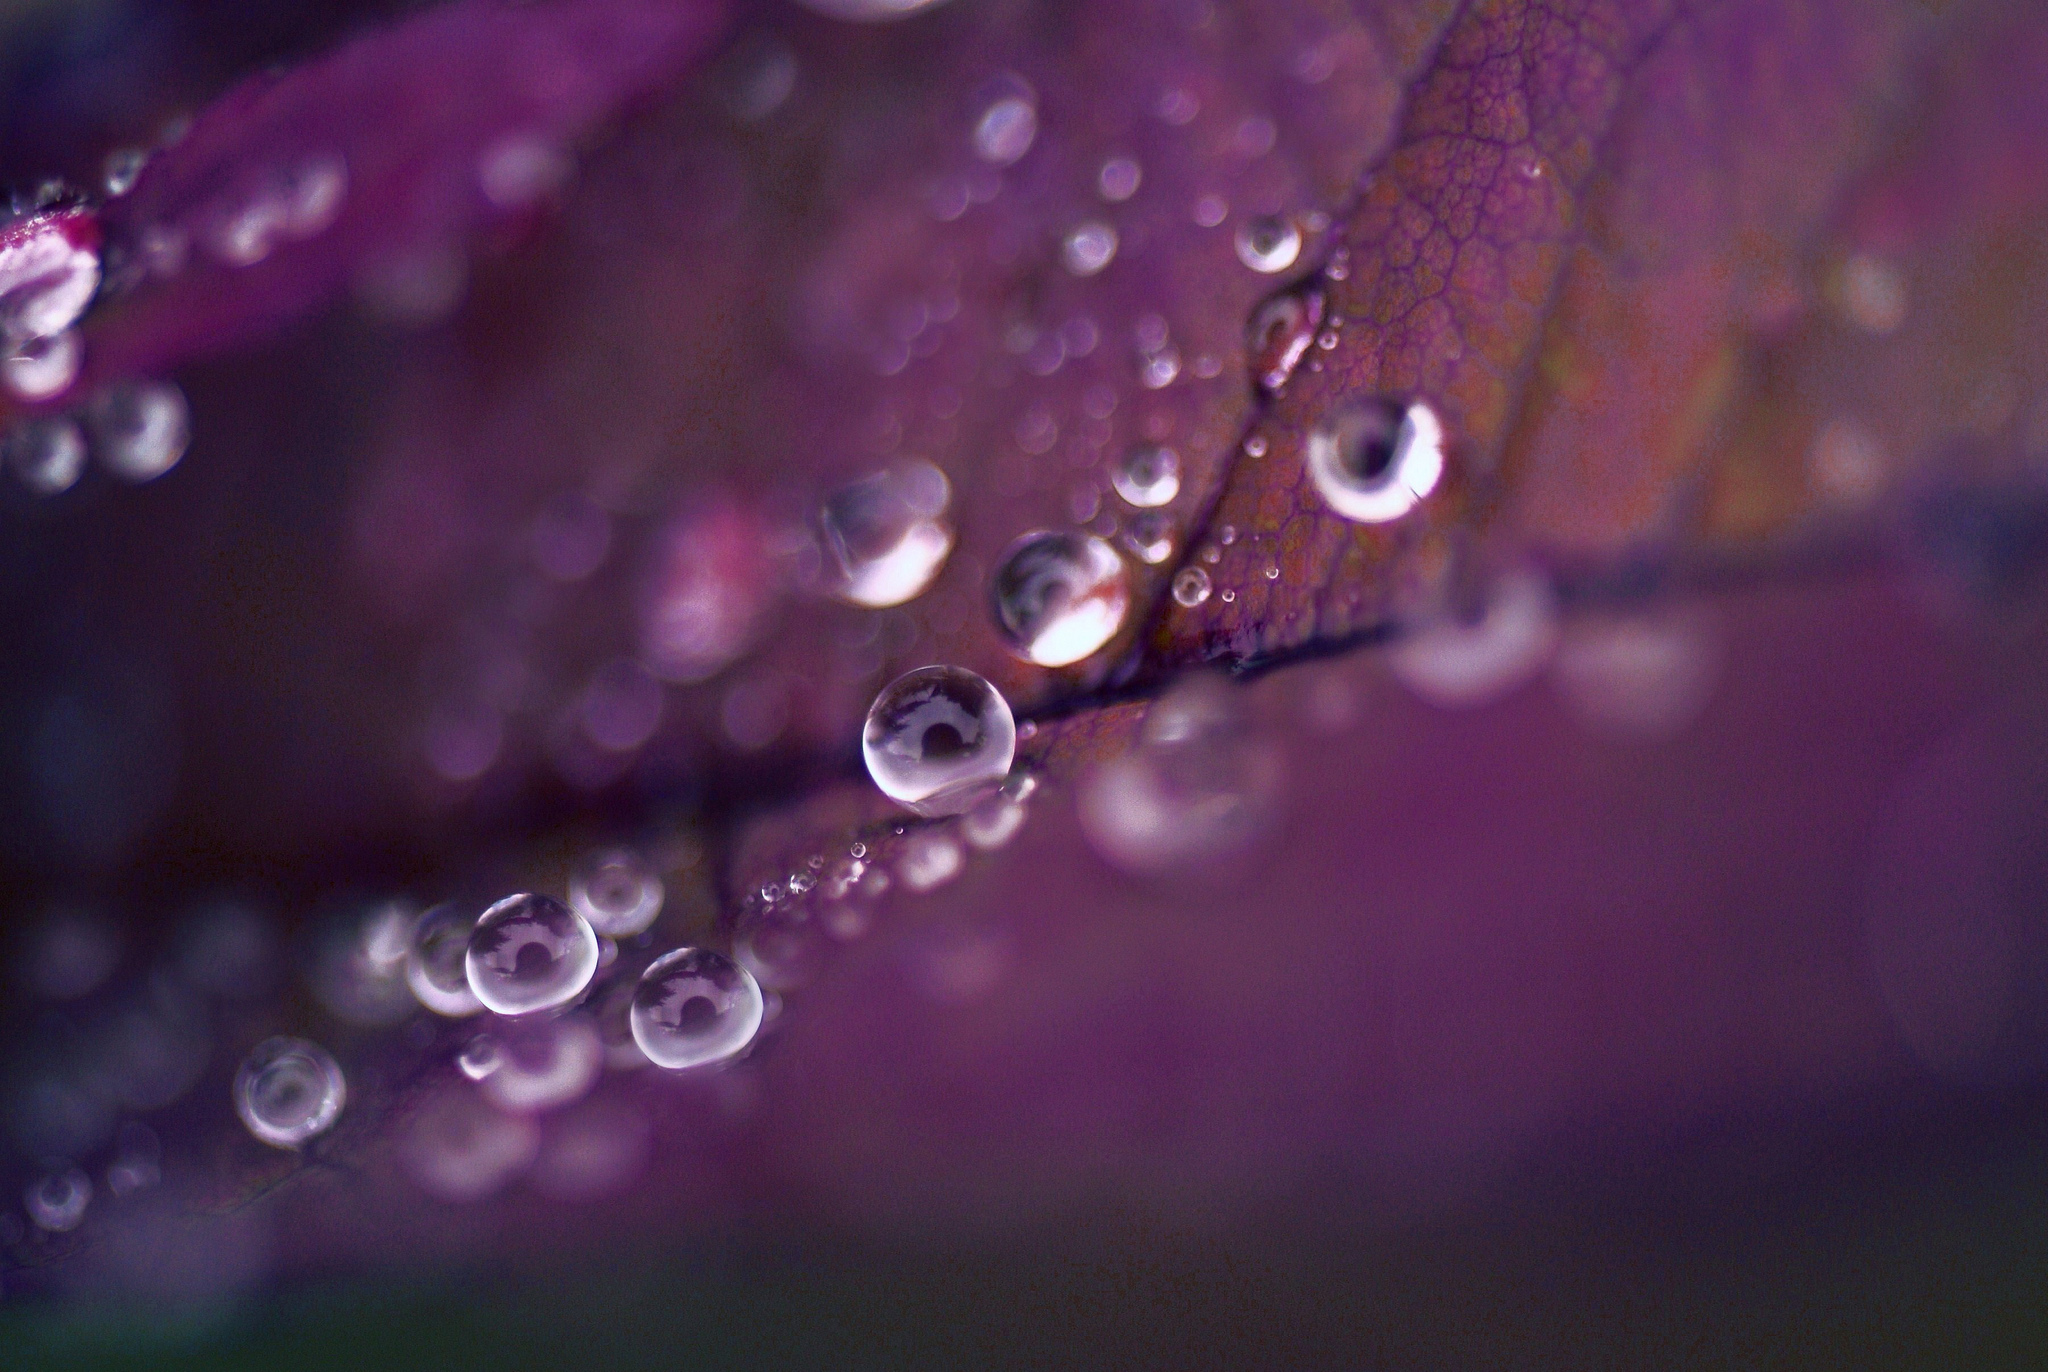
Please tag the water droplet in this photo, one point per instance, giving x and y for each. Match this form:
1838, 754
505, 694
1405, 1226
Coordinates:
519, 171
296, 203
49, 272
993, 822
57, 1200
460, 1149
1150, 538
1190, 586
43, 368
121, 170
1157, 370
530, 952
289, 1091
1088, 247
616, 891
1374, 460
886, 535
46, 453
1211, 210
1281, 331
546, 1063
358, 966
434, 964
139, 429
1059, 596
1871, 292
929, 860
1148, 477
1118, 179
695, 1007
938, 739
1007, 127
1459, 662
1268, 244
1199, 786
480, 1057
138, 1160
1178, 106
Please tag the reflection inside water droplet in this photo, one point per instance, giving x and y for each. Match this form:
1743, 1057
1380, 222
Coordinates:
1059, 596
1374, 460
938, 739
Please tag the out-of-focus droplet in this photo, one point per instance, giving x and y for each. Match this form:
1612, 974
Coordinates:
1059, 597
139, 428
1461, 662
695, 1007
49, 272
457, 1148
138, 1159
993, 822
229, 950
520, 171
435, 963
1008, 125
292, 203
1871, 292
1199, 787
546, 1064
528, 953
46, 453
870, 11
1088, 247
1190, 587
1150, 538
756, 77
780, 947
43, 368
1280, 334
71, 953
886, 535
929, 860
358, 966
289, 1091
713, 584
121, 170
480, 1057
597, 1149
1375, 460
57, 1200
938, 739
1639, 677
1118, 180
616, 891
1270, 243
1148, 477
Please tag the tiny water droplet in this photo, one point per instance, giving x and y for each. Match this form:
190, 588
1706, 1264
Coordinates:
938, 739
57, 1200
1088, 247
1255, 446
1148, 477
1118, 179
616, 891
1059, 597
138, 1160
434, 964
289, 1091
139, 429
1211, 210
886, 535
1375, 460
1281, 331
1157, 370
1150, 538
46, 453
695, 1007
1190, 586
530, 952
122, 169
1007, 127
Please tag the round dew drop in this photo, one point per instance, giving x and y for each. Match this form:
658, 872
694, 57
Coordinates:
1089, 248
434, 962
1148, 477
695, 1007
529, 953
1268, 244
938, 739
616, 891
46, 454
139, 429
1190, 587
1374, 460
886, 536
289, 1091
1059, 597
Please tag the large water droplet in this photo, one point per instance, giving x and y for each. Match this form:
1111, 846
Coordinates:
1280, 334
49, 271
546, 1064
695, 1007
1199, 786
46, 453
1088, 247
1148, 477
616, 891
938, 739
1375, 460
1007, 127
1459, 661
435, 963
57, 1200
139, 429
1059, 596
530, 952
886, 535
1268, 244
289, 1091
